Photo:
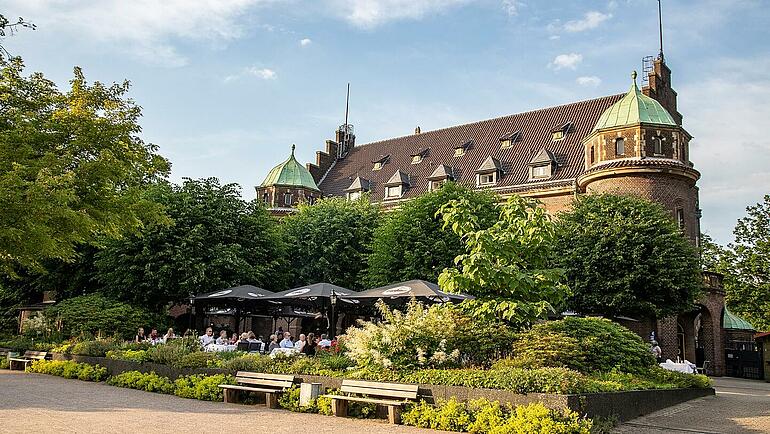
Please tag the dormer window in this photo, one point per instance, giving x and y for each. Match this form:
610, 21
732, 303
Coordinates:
357, 188
380, 162
354, 195
561, 131
620, 146
440, 175
489, 172
460, 148
393, 192
509, 139
396, 185
418, 156
416, 159
542, 165
657, 145
541, 171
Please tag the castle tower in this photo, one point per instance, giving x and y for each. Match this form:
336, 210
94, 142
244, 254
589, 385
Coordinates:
286, 186
637, 147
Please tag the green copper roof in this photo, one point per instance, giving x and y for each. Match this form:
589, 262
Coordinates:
634, 108
732, 321
290, 173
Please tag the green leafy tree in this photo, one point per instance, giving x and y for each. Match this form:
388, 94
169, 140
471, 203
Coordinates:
8, 27
329, 241
217, 240
624, 255
506, 266
411, 243
72, 166
746, 266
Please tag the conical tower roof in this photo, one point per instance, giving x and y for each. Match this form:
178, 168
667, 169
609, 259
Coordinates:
634, 108
290, 173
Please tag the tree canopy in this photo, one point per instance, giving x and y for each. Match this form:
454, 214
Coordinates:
216, 240
505, 266
746, 265
411, 243
329, 241
624, 255
72, 166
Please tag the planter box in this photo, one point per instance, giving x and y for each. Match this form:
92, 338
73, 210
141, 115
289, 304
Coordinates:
621, 405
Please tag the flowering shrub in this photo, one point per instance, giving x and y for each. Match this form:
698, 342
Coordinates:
68, 369
149, 382
138, 356
202, 387
424, 337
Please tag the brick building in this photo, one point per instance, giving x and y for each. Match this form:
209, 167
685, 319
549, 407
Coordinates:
628, 143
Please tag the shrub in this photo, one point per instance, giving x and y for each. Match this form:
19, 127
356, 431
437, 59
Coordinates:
195, 360
535, 418
149, 382
202, 386
249, 362
290, 401
94, 348
68, 369
4, 363
583, 344
138, 356
167, 354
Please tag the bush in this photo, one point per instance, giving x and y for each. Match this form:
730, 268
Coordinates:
202, 387
290, 401
20, 344
4, 363
168, 354
138, 356
583, 344
68, 369
95, 348
95, 314
535, 418
196, 360
149, 382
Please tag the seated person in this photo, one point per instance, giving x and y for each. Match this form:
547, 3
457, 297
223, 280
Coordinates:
223, 339
140, 337
154, 338
208, 338
244, 337
286, 342
234, 339
169, 335
310, 345
252, 337
273, 343
324, 342
301, 342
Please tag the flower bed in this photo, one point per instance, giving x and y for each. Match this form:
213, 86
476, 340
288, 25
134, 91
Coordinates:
69, 369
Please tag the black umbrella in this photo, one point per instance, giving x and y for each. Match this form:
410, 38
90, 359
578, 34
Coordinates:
240, 293
315, 295
403, 291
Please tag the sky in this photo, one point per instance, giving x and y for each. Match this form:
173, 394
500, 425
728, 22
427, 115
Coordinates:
227, 86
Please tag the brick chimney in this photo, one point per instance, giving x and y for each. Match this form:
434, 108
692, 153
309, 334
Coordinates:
659, 88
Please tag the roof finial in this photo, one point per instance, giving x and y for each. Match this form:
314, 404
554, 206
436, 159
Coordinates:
633, 76
292, 149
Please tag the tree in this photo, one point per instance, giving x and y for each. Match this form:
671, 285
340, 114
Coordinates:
624, 255
329, 241
506, 266
217, 240
8, 28
72, 167
411, 243
746, 266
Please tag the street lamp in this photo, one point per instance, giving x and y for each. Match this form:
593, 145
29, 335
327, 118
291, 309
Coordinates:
332, 321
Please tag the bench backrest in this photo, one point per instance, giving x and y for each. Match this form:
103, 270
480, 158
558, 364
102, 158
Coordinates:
4, 352
274, 381
35, 355
384, 390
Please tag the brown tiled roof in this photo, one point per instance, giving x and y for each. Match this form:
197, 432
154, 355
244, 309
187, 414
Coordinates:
535, 127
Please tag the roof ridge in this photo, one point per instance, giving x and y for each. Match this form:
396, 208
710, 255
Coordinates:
488, 120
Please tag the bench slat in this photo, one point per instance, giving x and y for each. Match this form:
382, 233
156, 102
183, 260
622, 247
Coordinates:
381, 385
370, 400
250, 389
266, 383
31, 354
247, 374
379, 392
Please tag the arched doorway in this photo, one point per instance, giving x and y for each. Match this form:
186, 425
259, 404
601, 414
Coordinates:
695, 336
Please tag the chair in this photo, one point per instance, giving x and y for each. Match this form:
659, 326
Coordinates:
255, 347
243, 346
705, 368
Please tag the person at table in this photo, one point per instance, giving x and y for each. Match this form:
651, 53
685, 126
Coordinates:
310, 345
154, 338
252, 337
273, 343
140, 337
169, 335
222, 339
208, 338
244, 337
300, 344
324, 342
286, 342
234, 339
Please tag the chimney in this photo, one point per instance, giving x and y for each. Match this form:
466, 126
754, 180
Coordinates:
417, 130
659, 88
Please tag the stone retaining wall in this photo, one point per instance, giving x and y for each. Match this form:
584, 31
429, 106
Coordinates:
621, 405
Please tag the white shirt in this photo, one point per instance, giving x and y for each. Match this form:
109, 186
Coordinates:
206, 340
287, 343
299, 344
223, 340
325, 343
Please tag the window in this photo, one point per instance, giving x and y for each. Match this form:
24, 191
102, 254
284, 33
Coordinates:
558, 135
680, 218
592, 155
657, 145
416, 159
354, 195
620, 146
287, 199
265, 197
541, 171
377, 165
487, 178
311, 199
391, 192
459, 152
435, 185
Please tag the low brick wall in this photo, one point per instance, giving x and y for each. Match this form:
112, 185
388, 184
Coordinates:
621, 405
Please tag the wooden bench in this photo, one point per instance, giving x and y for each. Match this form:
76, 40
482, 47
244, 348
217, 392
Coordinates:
391, 395
26, 359
271, 385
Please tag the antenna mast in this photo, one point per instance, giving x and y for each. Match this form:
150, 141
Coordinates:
347, 102
660, 28
345, 137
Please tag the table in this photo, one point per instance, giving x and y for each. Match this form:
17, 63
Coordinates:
686, 366
221, 348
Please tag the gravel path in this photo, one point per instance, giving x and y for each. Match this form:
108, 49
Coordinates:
43, 403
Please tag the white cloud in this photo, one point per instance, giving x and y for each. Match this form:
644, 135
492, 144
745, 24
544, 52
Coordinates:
590, 20
305, 42
591, 81
253, 71
372, 13
145, 29
568, 61
511, 7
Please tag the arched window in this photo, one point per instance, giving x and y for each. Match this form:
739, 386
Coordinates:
265, 197
287, 199
657, 145
592, 155
620, 146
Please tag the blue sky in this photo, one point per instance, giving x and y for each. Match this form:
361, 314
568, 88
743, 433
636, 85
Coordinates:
228, 85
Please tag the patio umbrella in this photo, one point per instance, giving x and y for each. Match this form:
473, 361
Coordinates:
403, 291
316, 295
240, 293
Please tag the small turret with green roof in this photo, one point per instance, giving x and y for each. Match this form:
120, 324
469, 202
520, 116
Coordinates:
287, 185
633, 109
290, 173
